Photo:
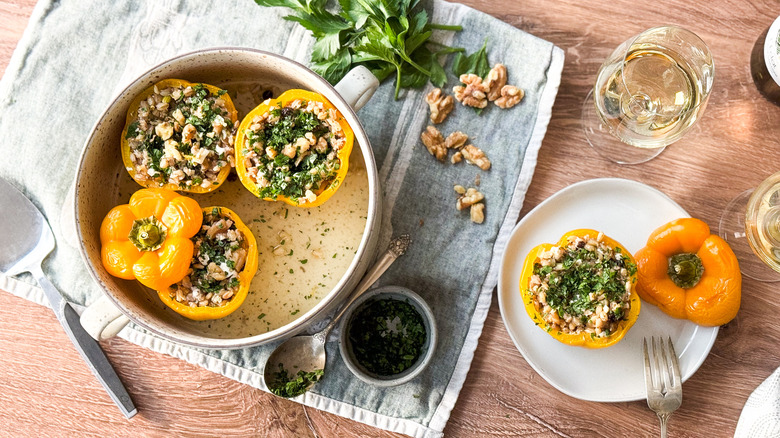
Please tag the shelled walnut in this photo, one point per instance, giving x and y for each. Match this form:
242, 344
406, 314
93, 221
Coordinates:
440, 105
495, 80
510, 96
434, 142
476, 156
476, 92
471, 198
473, 94
456, 140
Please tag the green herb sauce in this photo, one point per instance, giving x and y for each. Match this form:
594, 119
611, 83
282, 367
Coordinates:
387, 336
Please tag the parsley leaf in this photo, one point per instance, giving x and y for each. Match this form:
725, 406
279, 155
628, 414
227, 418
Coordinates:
476, 63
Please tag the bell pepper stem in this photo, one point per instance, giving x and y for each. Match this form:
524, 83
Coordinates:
685, 270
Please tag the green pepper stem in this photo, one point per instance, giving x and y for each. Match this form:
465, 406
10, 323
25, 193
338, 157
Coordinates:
685, 270
148, 234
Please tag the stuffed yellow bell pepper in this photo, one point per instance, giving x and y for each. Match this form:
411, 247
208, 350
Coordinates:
221, 268
179, 135
294, 149
148, 239
689, 273
581, 290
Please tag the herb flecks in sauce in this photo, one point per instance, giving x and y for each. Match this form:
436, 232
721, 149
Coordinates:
286, 385
387, 336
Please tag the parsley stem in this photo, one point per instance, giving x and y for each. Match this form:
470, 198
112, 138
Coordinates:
446, 27
397, 81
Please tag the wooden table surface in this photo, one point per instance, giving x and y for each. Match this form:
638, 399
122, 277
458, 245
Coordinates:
46, 389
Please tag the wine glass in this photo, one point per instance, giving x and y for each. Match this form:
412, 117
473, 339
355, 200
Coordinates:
751, 225
648, 94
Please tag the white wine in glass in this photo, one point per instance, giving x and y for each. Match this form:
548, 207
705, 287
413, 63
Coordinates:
751, 226
647, 94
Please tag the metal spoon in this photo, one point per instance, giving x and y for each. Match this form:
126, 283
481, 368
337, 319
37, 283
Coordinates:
307, 352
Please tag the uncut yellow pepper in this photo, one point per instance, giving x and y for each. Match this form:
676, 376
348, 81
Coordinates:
327, 188
202, 313
583, 339
132, 116
689, 273
148, 239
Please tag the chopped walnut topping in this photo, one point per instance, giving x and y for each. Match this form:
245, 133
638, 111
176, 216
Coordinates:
477, 213
434, 142
456, 140
495, 81
459, 189
456, 158
476, 156
440, 105
473, 94
510, 96
471, 197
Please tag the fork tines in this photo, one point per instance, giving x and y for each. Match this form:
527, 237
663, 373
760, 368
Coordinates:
662, 368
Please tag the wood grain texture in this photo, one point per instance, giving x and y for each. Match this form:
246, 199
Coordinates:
46, 390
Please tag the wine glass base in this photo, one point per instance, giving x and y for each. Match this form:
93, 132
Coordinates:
732, 230
606, 144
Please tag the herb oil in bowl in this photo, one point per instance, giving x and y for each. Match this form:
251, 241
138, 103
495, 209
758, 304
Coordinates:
388, 336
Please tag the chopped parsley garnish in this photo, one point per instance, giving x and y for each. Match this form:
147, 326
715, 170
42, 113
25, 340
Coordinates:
308, 169
286, 385
212, 249
199, 110
579, 274
387, 336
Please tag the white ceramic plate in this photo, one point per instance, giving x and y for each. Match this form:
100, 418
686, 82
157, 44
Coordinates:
628, 212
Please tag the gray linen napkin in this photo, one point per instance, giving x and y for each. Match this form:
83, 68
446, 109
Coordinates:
76, 54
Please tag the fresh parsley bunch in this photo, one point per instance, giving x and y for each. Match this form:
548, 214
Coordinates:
386, 36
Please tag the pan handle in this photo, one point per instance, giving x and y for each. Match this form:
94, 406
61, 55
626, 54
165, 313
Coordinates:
357, 87
102, 319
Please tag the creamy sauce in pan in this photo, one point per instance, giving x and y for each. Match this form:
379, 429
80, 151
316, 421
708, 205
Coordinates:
302, 252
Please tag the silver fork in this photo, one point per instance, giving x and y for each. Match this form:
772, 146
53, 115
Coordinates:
662, 379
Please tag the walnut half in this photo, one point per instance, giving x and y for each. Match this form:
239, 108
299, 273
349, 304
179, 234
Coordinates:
434, 142
510, 96
473, 94
495, 80
476, 156
440, 104
456, 140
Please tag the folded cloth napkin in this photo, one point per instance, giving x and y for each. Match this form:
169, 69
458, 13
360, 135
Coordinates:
76, 54
760, 417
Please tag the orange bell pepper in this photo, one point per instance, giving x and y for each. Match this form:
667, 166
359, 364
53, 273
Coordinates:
148, 239
132, 118
583, 338
228, 306
327, 187
690, 273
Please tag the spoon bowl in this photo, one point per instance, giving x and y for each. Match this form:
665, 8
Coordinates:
299, 353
